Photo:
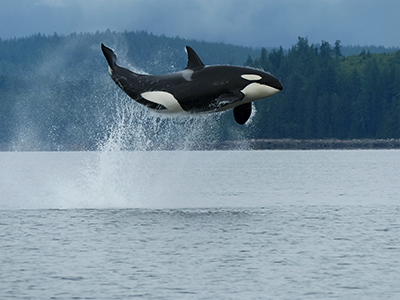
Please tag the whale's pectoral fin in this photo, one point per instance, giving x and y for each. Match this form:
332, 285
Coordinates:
242, 113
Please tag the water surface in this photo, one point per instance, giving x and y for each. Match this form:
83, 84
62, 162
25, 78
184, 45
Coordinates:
200, 225
176, 179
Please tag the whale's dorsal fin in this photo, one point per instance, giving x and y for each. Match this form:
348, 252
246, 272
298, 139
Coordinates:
194, 62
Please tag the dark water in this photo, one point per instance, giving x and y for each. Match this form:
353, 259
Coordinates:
200, 225
278, 252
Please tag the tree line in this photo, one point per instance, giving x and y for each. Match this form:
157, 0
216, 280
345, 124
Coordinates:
328, 95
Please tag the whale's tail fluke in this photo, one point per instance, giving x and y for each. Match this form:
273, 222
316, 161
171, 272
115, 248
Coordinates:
110, 57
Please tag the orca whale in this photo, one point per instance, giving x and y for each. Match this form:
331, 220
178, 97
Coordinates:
196, 89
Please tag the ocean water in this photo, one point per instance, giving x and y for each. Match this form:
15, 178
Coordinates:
200, 225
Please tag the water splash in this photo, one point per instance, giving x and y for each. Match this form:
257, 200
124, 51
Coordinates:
136, 128
130, 159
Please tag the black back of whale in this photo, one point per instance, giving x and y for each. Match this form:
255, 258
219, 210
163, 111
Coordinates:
197, 88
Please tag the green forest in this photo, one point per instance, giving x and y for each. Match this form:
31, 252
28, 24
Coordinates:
56, 94
328, 95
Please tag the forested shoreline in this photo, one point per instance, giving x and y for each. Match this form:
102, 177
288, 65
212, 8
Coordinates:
327, 95
55, 92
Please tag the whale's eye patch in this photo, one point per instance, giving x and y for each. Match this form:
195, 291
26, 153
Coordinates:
251, 77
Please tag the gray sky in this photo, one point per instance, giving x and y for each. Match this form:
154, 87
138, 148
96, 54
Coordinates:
255, 23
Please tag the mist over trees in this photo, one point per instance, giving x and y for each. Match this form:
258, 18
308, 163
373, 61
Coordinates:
55, 91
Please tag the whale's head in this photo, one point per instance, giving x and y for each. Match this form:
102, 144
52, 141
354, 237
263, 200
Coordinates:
259, 85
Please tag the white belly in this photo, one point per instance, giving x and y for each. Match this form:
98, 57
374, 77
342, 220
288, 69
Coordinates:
164, 98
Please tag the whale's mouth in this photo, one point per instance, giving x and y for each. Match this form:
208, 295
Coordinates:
274, 83
278, 86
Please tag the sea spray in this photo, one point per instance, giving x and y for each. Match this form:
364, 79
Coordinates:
129, 160
136, 128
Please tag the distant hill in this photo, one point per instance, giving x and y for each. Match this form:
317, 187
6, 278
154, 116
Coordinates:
355, 50
55, 93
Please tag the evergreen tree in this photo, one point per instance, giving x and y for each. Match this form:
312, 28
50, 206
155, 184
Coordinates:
336, 50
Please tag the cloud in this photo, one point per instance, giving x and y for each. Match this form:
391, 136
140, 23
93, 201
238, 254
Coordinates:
252, 23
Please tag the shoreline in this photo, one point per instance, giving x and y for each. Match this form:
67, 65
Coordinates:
254, 144
313, 144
